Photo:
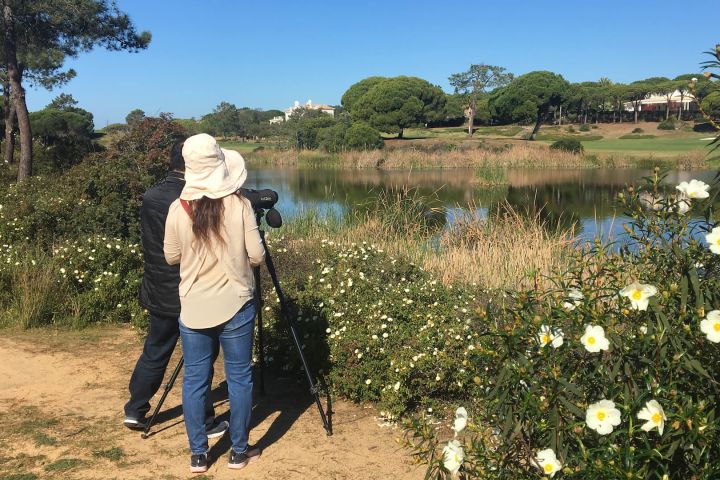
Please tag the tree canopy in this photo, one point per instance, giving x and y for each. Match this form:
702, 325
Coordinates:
393, 104
474, 82
530, 97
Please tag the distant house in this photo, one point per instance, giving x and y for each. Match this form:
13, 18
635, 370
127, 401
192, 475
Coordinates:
309, 106
658, 102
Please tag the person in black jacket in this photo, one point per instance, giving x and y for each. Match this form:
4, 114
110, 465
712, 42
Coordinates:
159, 295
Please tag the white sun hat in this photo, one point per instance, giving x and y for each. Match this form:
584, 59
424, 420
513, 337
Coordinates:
210, 171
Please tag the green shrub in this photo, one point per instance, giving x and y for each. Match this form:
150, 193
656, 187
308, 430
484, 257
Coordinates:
572, 145
99, 195
584, 127
668, 124
361, 136
637, 130
538, 373
570, 129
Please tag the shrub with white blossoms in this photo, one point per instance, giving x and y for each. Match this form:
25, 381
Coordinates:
634, 390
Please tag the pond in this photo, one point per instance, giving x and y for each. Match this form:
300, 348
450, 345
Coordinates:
585, 197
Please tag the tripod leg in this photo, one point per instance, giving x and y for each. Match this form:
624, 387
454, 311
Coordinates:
168, 387
293, 330
261, 345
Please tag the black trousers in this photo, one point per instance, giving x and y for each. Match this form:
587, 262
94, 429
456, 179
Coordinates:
150, 369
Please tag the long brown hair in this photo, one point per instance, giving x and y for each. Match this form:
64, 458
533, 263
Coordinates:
207, 217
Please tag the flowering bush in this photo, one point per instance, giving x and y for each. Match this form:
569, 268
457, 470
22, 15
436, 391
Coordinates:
79, 282
384, 329
632, 389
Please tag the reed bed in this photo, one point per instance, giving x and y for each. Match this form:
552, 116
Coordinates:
510, 249
468, 155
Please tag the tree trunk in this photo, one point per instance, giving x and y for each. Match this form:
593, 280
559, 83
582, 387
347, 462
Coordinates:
400, 134
9, 127
560, 119
18, 95
680, 108
470, 112
537, 126
635, 110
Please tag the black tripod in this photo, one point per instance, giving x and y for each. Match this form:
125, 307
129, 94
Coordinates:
326, 417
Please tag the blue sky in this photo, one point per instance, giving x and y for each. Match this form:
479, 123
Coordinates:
267, 54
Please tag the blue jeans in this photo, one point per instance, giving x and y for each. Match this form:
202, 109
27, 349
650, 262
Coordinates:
236, 339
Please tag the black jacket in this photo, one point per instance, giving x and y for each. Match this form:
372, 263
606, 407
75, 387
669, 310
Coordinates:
159, 288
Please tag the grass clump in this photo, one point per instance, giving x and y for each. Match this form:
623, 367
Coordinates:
115, 454
63, 465
570, 145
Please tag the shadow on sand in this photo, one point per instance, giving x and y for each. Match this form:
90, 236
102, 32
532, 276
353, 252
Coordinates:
286, 396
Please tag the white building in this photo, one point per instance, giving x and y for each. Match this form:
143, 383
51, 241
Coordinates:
659, 102
309, 106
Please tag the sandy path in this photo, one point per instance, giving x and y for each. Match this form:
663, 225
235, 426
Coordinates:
70, 390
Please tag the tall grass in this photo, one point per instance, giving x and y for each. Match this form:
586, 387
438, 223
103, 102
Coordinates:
508, 249
34, 299
497, 154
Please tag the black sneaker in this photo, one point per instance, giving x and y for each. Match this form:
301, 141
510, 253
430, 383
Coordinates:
217, 429
199, 463
240, 460
135, 423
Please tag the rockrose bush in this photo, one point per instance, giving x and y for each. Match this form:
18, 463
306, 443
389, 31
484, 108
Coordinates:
380, 328
614, 373
76, 283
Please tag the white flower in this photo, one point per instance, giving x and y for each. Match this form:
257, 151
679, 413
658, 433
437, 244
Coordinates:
453, 456
713, 239
460, 423
643, 329
368, 381
639, 294
575, 297
710, 326
396, 387
548, 462
602, 417
594, 339
546, 336
694, 189
655, 416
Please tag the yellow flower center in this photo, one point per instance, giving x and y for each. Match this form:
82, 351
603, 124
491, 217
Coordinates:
601, 415
548, 468
546, 338
591, 340
656, 418
718, 241
637, 295
716, 327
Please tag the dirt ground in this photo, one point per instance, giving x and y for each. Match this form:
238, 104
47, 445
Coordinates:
61, 403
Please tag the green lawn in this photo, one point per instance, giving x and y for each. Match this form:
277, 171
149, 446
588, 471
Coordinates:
242, 147
657, 147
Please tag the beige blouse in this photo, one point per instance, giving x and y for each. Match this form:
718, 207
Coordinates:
215, 280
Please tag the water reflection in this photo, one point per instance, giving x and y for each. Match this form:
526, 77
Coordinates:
584, 197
